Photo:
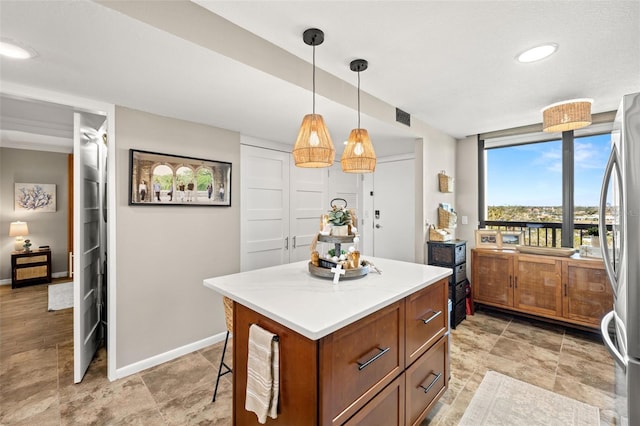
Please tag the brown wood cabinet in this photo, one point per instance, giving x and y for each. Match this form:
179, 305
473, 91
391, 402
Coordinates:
389, 367
572, 290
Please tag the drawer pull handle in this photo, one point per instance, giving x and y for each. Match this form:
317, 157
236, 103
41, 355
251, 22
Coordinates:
431, 318
362, 365
433, 382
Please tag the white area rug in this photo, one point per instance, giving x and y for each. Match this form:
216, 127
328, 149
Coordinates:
501, 400
60, 296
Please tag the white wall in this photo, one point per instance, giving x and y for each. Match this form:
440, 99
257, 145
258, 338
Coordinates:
164, 252
466, 195
439, 153
28, 166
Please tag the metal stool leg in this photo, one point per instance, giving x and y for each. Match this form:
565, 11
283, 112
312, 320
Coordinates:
222, 364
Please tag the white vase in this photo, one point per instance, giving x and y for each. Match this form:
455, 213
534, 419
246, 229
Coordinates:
340, 230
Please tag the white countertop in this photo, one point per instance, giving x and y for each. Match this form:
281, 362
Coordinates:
315, 307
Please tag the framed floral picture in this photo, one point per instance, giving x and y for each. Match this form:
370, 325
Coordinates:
37, 197
487, 238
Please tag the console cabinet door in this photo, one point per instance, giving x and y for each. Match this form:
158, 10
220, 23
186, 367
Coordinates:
587, 292
492, 277
537, 285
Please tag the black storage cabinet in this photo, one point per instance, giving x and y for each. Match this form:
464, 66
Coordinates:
452, 254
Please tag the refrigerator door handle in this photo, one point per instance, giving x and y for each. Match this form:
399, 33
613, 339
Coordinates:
612, 165
608, 343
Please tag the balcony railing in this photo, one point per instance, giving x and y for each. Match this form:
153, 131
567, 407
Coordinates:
543, 234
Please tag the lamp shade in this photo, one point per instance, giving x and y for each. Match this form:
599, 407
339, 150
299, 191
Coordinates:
358, 156
18, 229
313, 147
566, 115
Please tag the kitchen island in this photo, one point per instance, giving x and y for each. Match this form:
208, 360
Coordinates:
375, 347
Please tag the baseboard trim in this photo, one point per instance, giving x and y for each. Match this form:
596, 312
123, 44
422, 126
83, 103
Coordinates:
136, 367
53, 275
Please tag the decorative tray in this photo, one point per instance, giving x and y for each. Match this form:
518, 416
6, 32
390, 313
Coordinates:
349, 273
335, 239
547, 251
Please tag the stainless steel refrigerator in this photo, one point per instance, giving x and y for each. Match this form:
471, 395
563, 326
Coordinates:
621, 194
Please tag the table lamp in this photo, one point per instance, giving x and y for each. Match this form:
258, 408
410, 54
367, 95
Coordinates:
18, 230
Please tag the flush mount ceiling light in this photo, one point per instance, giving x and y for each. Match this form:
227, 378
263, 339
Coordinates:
537, 53
358, 156
13, 49
313, 146
567, 115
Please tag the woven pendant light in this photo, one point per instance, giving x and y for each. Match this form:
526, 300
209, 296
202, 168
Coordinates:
358, 156
313, 147
566, 115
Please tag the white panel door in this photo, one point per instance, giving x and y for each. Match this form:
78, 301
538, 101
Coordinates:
394, 210
264, 179
89, 152
308, 194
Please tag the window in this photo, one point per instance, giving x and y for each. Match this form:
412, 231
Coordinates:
524, 181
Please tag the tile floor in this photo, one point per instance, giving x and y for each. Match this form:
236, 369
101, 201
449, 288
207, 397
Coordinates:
36, 380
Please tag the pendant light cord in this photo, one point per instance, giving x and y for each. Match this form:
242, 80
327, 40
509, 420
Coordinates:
314, 79
358, 99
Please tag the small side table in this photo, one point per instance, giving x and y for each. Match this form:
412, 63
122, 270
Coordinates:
32, 267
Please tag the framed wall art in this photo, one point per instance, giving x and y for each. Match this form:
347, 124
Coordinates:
510, 239
38, 197
157, 179
487, 238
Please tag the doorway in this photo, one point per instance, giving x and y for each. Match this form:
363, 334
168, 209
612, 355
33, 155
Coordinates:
394, 210
104, 193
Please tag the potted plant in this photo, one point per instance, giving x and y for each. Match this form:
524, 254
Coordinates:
340, 219
594, 233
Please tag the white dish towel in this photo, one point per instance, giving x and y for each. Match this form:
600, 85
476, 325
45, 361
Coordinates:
263, 373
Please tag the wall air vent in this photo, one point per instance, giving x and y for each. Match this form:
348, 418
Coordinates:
403, 117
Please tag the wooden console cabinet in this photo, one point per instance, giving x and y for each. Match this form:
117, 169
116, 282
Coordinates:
573, 290
32, 267
389, 367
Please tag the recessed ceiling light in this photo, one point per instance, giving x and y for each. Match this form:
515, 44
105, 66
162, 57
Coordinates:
537, 53
12, 49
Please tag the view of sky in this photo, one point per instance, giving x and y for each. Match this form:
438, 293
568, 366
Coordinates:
531, 175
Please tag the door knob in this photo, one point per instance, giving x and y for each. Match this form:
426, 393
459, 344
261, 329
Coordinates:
378, 226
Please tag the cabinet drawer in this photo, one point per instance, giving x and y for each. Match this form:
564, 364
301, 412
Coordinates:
458, 292
32, 272
31, 259
426, 380
387, 408
426, 318
447, 254
459, 274
459, 312
359, 360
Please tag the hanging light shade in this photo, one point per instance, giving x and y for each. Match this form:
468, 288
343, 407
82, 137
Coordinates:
567, 115
313, 147
358, 156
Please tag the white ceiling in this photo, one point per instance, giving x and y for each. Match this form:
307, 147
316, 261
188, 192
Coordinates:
450, 64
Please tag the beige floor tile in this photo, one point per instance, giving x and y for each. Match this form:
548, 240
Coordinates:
540, 334
596, 374
518, 350
585, 345
125, 401
178, 377
195, 406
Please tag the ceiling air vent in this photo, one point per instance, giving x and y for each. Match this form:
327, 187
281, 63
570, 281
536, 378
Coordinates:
403, 117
